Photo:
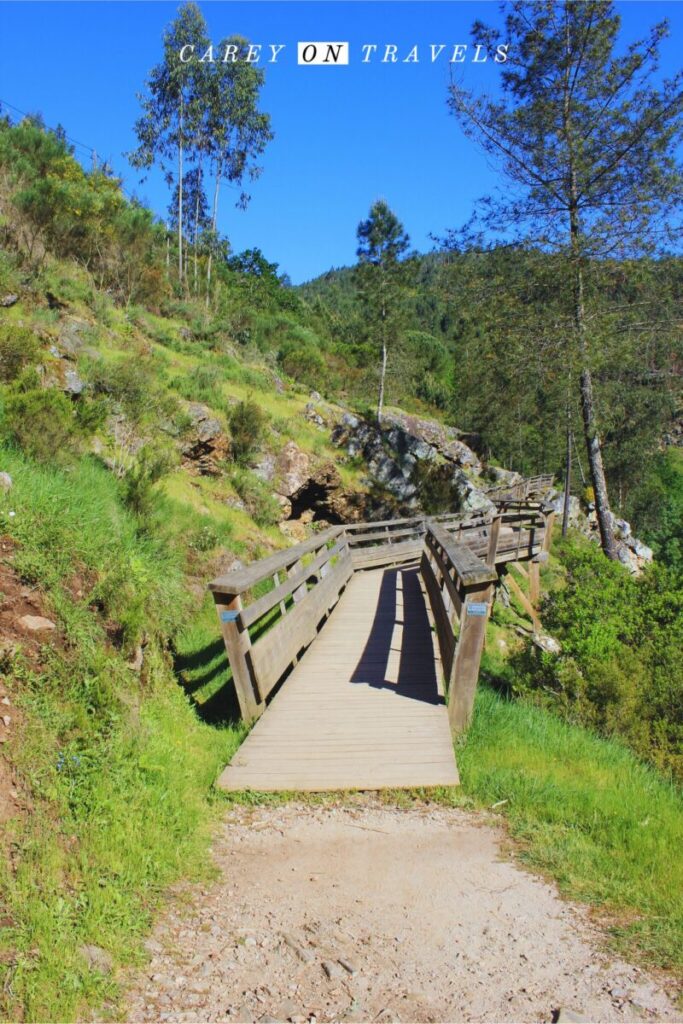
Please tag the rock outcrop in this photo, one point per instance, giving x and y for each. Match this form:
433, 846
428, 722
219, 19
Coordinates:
631, 552
307, 490
393, 451
207, 445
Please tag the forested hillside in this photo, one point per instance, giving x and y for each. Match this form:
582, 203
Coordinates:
488, 334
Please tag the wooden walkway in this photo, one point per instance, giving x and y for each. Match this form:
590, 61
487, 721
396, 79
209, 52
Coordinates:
364, 709
341, 648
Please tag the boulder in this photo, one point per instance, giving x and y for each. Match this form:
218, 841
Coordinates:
71, 341
556, 503
73, 385
546, 643
393, 451
294, 530
292, 470
265, 468
285, 506
36, 623
313, 416
470, 497
9, 300
6, 482
207, 445
503, 477
444, 440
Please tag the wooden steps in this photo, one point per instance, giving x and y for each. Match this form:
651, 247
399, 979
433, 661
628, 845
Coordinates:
364, 708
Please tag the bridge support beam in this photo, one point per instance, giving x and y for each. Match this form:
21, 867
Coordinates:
462, 684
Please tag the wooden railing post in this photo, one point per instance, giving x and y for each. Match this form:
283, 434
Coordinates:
462, 685
237, 644
493, 541
534, 583
542, 556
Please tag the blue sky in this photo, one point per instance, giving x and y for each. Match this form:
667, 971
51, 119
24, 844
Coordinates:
343, 136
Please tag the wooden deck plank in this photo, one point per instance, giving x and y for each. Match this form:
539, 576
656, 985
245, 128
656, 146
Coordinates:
361, 710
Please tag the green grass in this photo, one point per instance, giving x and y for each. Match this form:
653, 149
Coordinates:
117, 768
585, 811
117, 817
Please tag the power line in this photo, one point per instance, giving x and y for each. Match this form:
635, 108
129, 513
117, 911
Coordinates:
74, 142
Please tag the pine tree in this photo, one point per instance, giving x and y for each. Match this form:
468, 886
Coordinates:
586, 143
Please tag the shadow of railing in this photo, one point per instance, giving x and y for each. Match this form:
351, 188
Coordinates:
400, 643
207, 669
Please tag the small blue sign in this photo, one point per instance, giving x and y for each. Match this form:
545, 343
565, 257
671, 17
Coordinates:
477, 608
229, 616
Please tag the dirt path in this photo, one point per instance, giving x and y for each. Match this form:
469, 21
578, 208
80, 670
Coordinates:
368, 913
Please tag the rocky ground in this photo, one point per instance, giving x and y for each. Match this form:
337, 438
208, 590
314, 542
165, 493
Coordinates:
364, 912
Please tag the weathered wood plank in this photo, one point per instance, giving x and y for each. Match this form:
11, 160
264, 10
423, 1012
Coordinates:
257, 609
442, 624
445, 569
237, 645
243, 579
385, 554
357, 539
469, 567
465, 671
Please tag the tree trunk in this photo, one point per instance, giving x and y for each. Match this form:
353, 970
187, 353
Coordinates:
567, 477
214, 221
382, 376
180, 206
383, 368
597, 470
196, 236
590, 429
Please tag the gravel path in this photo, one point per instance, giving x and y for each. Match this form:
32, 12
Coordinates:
367, 913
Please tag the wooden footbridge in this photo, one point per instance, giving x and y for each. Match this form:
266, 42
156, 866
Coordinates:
352, 641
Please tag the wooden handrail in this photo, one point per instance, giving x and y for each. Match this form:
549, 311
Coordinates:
459, 586
469, 568
240, 580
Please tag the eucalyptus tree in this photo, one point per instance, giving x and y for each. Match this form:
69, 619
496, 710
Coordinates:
379, 276
237, 131
174, 107
585, 138
195, 209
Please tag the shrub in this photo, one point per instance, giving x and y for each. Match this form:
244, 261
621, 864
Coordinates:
201, 384
247, 423
132, 384
91, 413
622, 654
18, 349
151, 464
303, 362
260, 503
42, 423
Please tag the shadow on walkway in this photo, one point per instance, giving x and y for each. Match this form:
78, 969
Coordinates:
399, 654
